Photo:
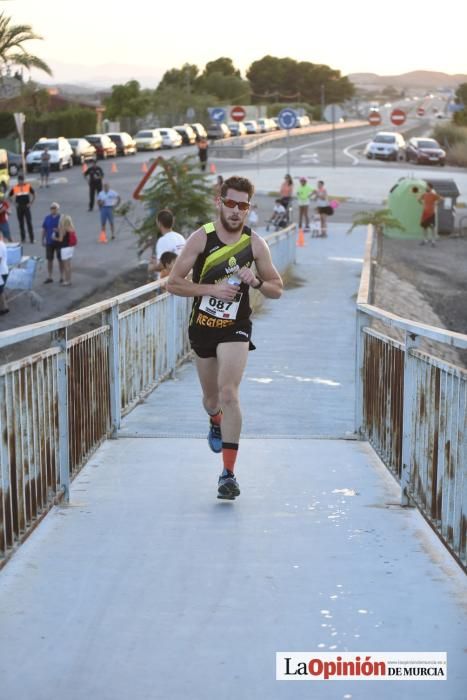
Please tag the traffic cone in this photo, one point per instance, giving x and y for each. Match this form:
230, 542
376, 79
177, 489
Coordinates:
300, 238
103, 237
144, 168
114, 168
212, 168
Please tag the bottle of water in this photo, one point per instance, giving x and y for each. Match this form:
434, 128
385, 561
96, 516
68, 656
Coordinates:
233, 279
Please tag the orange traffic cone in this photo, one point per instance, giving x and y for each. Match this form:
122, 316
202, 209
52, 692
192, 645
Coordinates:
300, 238
212, 168
103, 237
114, 168
144, 168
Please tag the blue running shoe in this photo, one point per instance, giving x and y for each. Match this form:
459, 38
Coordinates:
215, 437
227, 487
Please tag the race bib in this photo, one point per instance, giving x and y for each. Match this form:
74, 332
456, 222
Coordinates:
219, 308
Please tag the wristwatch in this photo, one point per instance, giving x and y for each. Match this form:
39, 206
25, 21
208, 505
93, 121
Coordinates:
259, 285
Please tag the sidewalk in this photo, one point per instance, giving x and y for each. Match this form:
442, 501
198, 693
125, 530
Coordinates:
146, 586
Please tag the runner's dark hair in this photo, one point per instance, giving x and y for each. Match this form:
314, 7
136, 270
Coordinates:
240, 184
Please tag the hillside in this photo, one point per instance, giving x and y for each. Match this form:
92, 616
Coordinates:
422, 79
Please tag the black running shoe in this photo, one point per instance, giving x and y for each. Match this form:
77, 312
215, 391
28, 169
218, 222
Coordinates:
227, 487
215, 437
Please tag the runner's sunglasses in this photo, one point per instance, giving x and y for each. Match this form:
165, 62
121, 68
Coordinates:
232, 203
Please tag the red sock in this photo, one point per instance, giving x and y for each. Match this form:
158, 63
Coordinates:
217, 417
229, 455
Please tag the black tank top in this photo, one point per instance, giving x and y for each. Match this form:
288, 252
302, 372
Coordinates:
217, 262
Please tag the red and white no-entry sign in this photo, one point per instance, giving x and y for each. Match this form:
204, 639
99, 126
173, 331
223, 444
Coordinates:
420, 111
398, 116
238, 113
374, 118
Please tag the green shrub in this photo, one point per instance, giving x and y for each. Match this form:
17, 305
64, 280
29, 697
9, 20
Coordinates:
450, 134
68, 122
457, 154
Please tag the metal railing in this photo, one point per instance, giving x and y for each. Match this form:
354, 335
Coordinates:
59, 404
412, 408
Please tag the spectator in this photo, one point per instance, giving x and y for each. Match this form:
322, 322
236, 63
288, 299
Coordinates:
203, 152
50, 239
3, 276
167, 262
279, 216
45, 167
253, 216
286, 193
322, 207
4, 212
65, 228
107, 200
95, 176
429, 199
24, 196
303, 198
170, 240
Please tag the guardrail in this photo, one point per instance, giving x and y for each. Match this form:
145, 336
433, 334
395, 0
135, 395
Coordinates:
412, 408
239, 146
59, 404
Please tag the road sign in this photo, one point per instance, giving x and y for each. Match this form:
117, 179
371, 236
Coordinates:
190, 113
238, 113
398, 116
217, 114
333, 113
374, 118
420, 111
287, 118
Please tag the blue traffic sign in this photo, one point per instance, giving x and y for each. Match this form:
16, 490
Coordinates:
287, 118
217, 114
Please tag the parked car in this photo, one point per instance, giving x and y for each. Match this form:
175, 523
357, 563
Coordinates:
218, 131
199, 130
303, 121
265, 125
251, 126
237, 128
148, 140
387, 145
61, 154
105, 147
126, 145
82, 150
187, 133
15, 163
170, 138
423, 150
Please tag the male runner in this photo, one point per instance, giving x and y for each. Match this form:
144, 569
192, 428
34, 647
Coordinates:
221, 255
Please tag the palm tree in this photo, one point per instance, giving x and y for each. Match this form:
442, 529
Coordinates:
379, 219
12, 51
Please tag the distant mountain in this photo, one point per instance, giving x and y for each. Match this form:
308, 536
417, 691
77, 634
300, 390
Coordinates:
421, 79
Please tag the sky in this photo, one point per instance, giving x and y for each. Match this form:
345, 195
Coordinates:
89, 41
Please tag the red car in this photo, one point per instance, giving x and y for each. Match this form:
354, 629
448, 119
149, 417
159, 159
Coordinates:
105, 147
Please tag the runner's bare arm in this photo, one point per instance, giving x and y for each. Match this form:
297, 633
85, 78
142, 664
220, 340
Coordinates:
272, 282
179, 285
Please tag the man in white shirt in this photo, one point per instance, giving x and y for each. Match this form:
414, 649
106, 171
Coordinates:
170, 241
107, 200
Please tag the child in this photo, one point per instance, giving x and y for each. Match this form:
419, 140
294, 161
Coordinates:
167, 261
253, 216
279, 216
